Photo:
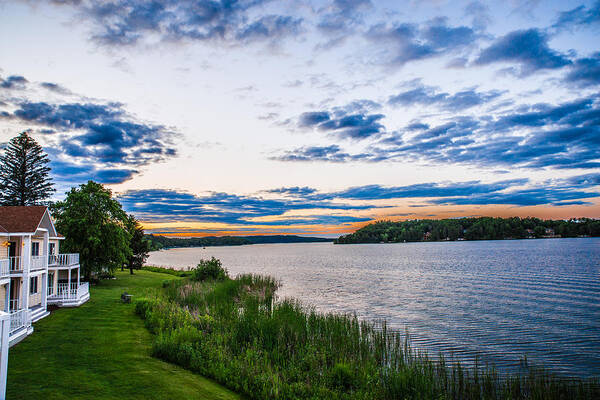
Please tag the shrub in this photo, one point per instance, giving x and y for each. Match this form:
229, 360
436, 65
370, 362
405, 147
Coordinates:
210, 270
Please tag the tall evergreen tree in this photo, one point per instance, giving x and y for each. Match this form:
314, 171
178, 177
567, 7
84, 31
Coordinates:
24, 171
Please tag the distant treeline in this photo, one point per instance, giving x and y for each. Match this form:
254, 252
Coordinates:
158, 242
483, 228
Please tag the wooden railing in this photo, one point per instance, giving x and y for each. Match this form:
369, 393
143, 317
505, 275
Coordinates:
63, 259
18, 320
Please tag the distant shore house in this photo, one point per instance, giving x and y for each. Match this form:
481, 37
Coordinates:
33, 274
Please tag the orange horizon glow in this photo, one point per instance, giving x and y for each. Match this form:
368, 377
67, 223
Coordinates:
433, 212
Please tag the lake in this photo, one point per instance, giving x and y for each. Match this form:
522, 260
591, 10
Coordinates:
497, 300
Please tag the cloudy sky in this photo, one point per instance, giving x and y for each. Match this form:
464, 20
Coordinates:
310, 117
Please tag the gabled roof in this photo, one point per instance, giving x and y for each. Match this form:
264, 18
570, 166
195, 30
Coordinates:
21, 219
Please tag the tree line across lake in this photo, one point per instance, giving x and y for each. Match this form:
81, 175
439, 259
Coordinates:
482, 228
158, 242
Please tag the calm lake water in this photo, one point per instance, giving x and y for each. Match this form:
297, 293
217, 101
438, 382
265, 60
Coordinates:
498, 300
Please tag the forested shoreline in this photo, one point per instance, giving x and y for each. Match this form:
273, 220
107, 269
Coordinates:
158, 242
481, 228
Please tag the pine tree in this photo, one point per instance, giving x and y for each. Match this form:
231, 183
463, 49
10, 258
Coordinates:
24, 176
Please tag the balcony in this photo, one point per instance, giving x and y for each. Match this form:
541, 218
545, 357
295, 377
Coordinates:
73, 295
63, 260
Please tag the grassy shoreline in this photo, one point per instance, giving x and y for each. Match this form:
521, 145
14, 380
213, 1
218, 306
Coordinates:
233, 332
101, 350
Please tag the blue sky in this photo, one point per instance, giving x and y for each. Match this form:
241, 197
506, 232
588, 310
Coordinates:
310, 117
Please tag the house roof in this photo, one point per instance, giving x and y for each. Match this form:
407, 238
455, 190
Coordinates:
21, 219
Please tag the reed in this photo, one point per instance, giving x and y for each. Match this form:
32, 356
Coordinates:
235, 332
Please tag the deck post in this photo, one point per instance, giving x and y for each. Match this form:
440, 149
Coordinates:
26, 258
44, 278
78, 277
4, 340
69, 285
7, 300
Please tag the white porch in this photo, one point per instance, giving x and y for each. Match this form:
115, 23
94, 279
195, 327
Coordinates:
69, 295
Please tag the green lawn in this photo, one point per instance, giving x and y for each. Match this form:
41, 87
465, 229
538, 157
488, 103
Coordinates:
101, 350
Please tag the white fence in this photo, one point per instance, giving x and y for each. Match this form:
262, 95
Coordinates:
18, 320
63, 259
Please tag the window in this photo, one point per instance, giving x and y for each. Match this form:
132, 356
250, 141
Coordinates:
35, 248
51, 248
33, 285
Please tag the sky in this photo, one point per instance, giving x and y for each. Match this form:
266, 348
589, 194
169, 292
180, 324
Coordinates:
214, 117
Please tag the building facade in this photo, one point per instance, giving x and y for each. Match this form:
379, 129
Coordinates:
33, 273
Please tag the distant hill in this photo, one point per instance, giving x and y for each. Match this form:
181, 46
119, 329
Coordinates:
158, 242
482, 228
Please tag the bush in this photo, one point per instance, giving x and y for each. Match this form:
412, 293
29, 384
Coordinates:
210, 270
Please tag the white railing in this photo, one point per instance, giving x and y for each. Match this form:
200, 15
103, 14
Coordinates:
50, 289
13, 305
16, 264
4, 267
18, 320
74, 292
37, 263
83, 289
63, 259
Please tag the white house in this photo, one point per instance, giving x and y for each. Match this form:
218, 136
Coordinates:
33, 274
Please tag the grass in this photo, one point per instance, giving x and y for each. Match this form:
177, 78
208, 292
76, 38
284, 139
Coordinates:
101, 350
233, 332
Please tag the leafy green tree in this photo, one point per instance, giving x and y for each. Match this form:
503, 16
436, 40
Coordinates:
24, 171
138, 244
95, 226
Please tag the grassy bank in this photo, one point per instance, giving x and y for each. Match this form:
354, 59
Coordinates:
101, 350
232, 331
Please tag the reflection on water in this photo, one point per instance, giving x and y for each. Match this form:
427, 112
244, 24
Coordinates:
499, 300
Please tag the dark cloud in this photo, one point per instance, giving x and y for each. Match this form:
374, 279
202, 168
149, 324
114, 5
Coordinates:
536, 136
542, 135
529, 48
128, 22
165, 205
54, 87
331, 153
403, 43
350, 122
578, 16
92, 140
427, 95
170, 205
585, 71
13, 82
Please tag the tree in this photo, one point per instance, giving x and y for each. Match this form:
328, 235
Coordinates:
138, 244
24, 176
95, 226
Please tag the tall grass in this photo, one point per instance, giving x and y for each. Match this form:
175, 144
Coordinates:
234, 332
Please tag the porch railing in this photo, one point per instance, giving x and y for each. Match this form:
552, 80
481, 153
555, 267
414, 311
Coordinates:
63, 259
4, 267
15, 264
13, 305
18, 320
37, 263
73, 292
